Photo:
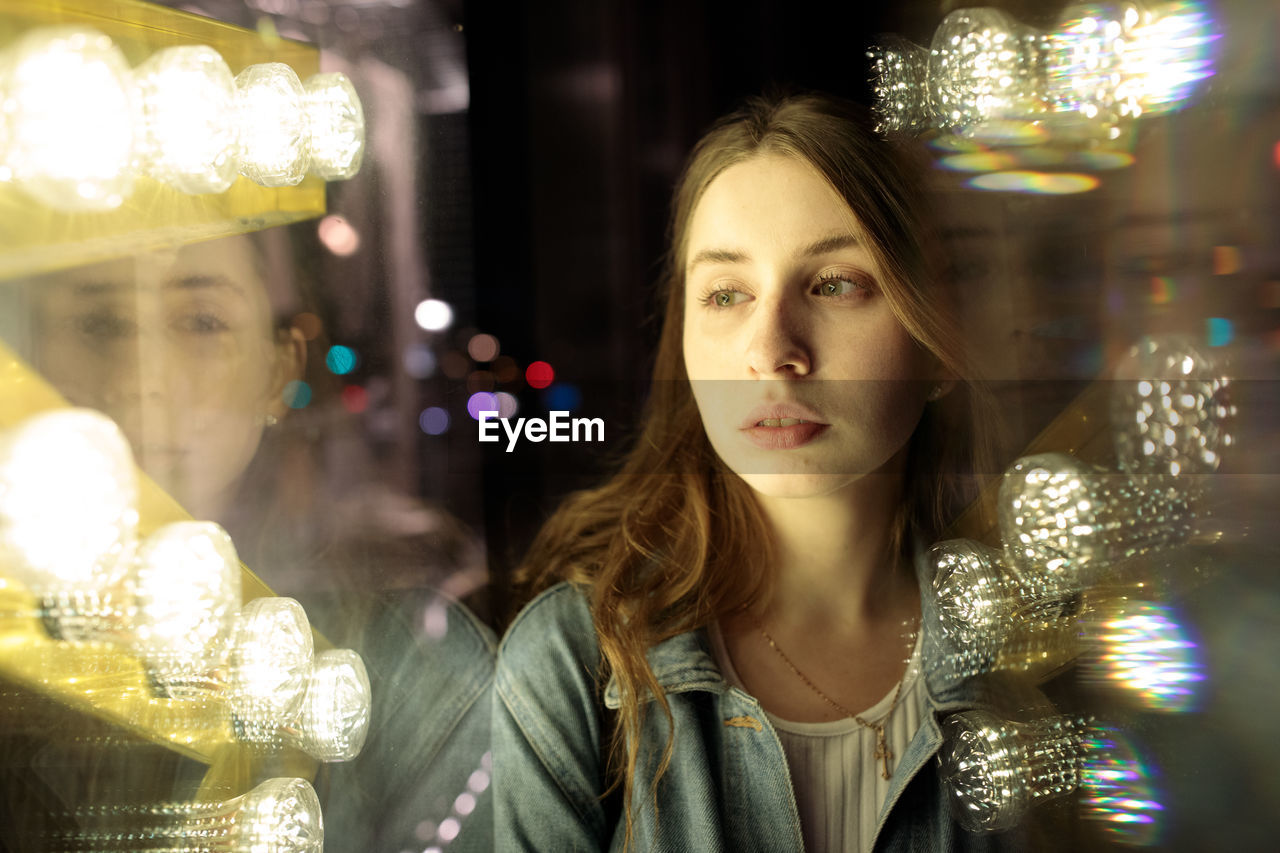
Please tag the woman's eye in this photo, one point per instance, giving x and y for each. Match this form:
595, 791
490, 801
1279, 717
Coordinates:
105, 325
839, 286
726, 298
200, 324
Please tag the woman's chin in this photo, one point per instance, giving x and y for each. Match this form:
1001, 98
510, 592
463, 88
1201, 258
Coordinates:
793, 485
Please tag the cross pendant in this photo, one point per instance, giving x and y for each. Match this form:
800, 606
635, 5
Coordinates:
883, 753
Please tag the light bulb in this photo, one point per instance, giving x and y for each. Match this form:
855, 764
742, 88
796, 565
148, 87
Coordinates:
1063, 522
71, 116
900, 81
994, 770
336, 120
1170, 411
189, 128
68, 503
1087, 84
272, 118
280, 815
271, 660
187, 592
984, 72
335, 711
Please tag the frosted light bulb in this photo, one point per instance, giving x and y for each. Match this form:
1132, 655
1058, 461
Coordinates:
189, 128
984, 68
336, 708
187, 592
271, 660
336, 120
272, 118
1064, 521
68, 502
71, 115
994, 770
1170, 410
900, 72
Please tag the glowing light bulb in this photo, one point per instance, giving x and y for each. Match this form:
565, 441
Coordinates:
68, 498
433, 315
1170, 410
189, 129
900, 82
977, 598
71, 116
984, 73
336, 120
1063, 522
281, 815
336, 709
994, 770
1170, 51
1087, 83
271, 660
187, 592
272, 117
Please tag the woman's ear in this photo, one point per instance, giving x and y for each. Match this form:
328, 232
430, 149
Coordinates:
291, 364
941, 389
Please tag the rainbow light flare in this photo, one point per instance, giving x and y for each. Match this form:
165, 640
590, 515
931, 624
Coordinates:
1117, 789
1038, 183
1145, 650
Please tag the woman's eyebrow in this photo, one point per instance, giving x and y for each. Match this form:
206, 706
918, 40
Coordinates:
205, 281
830, 243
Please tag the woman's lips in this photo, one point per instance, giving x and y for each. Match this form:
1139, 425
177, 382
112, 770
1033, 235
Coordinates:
783, 433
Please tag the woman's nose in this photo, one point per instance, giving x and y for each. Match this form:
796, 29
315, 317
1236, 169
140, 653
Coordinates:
779, 344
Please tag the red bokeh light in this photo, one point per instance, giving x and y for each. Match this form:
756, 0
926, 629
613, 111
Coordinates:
355, 399
539, 374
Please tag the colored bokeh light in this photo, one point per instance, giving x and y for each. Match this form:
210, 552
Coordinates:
341, 360
1163, 290
481, 401
563, 397
539, 374
1220, 331
433, 315
483, 347
419, 361
480, 380
1118, 791
296, 394
309, 324
508, 405
434, 420
1035, 183
338, 236
355, 399
1143, 649
505, 368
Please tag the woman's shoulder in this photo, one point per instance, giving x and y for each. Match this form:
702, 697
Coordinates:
553, 629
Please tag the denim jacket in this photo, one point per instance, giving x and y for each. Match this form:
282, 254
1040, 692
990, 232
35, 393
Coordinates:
727, 787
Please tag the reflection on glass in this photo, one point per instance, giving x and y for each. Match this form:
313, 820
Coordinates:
1118, 790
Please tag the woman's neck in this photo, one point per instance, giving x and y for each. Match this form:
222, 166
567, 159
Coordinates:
835, 555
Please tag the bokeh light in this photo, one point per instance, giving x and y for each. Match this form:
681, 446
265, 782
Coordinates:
563, 397
482, 401
1141, 647
1118, 790
1220, 331
539, 374
308, 324
355, 399
434, 420
1163, 290
506, 369
338, 235
508, 405
455, 365
433, 315
480, 380
1036, 183
483, 347
296, 394
341, 360
419, 361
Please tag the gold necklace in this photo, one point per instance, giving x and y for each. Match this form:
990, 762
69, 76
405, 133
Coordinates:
882, 746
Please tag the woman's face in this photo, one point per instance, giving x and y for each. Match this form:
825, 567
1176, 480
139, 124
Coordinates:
178, 349
804, 377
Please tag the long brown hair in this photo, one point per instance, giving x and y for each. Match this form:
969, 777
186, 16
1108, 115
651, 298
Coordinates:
674, 540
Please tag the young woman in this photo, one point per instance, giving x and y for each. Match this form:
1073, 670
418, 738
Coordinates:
724, 648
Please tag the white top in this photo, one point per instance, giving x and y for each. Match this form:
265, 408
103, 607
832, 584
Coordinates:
836, 777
